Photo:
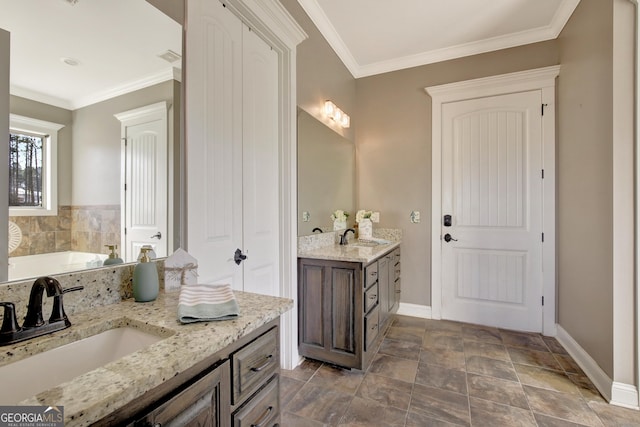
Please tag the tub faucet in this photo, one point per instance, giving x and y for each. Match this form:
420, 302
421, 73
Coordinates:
343, 238
34, 324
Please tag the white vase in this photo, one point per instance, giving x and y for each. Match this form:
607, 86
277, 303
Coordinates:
339, 225
365, 229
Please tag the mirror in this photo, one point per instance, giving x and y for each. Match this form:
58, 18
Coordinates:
118, 57
326, 175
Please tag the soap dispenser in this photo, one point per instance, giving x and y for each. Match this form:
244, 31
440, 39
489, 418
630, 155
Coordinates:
145, 278
113, 256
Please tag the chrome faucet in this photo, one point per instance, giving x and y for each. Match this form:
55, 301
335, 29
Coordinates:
34, 324
343, 238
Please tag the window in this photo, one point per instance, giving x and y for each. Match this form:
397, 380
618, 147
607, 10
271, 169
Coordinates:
32, 166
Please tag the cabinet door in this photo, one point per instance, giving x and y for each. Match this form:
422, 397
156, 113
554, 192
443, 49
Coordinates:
204, 403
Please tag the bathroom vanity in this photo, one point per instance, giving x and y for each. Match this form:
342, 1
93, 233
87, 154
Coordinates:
346, 298
218, 373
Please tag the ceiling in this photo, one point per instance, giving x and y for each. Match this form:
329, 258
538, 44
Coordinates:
115, 43
376, 36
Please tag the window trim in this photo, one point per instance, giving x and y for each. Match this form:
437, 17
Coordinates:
49, 207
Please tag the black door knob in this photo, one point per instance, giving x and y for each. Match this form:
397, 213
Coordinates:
448, 238
238, 256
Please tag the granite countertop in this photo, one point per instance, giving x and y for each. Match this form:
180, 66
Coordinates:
352, 252
94, 395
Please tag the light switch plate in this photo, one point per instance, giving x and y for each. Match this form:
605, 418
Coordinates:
415, 217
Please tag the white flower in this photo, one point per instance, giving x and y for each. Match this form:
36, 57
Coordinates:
339, 215
375, 217
362, 214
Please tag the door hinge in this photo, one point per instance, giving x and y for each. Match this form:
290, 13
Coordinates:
542, 173
125, 230
542, 109
125, 187
542, 300
543, 237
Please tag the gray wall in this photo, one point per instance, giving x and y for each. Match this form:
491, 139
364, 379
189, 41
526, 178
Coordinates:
4, 148
97, 144
393, 141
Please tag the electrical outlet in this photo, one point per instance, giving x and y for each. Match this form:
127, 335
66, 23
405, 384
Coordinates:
415, 217
306, 216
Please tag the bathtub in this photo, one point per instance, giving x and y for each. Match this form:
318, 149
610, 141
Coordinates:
24, 267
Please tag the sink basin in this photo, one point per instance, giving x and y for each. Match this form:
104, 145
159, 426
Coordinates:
369, 243
27, 377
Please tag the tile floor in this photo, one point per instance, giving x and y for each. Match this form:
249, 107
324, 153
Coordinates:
430, 373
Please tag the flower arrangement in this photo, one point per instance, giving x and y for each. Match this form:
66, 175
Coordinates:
362, 214
339, 215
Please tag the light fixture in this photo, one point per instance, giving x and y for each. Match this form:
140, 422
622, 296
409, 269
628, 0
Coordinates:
336, 114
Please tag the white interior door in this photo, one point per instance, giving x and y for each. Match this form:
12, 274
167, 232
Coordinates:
492, 188
145, 170
214, 141
261, 231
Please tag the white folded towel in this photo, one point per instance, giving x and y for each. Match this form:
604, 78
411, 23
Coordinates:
202, 303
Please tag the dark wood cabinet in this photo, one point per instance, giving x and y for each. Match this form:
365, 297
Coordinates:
344, 306
237, 386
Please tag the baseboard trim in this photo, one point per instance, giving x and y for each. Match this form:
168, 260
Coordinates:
620, 394
414, 310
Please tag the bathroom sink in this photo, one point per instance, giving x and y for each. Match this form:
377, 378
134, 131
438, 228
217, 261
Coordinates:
27, 377
369, 243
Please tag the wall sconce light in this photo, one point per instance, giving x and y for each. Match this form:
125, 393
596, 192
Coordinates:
336, 114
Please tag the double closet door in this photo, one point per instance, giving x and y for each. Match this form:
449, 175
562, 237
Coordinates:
232, 113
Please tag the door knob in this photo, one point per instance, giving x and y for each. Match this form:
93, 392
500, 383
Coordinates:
448, 238
158, 236
238, 256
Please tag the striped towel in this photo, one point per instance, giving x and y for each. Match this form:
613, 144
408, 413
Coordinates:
202, 303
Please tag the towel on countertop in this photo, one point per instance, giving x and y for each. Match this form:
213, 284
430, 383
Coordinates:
202, 303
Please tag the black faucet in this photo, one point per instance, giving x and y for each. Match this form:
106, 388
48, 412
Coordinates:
343, 238
34, 324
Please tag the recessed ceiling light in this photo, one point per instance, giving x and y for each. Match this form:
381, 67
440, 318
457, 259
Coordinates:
70, 61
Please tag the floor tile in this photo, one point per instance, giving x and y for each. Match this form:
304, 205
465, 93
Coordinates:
547, 421
303, 371
554, 346
320, 404
409, 322
443, 325
394, 367
386, 391
497, 390
481, 333
485, 413
616, 416
443, 357
340, 379
443, 378
413, 335
367, 413
545, 378
292, 420
440, 404
568, 364
403, 349
561, 405
289, 387
419, 420
491, 367
492, 351
442, 339
523, 339
587, 389
542, 359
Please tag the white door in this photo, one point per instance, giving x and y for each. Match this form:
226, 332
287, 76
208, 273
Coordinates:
492, 188
261, 231
145, 176
232, 151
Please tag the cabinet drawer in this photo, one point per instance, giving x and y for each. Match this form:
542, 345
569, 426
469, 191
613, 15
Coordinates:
253, 364
370, 298
371, 327
370, 274
262, 410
